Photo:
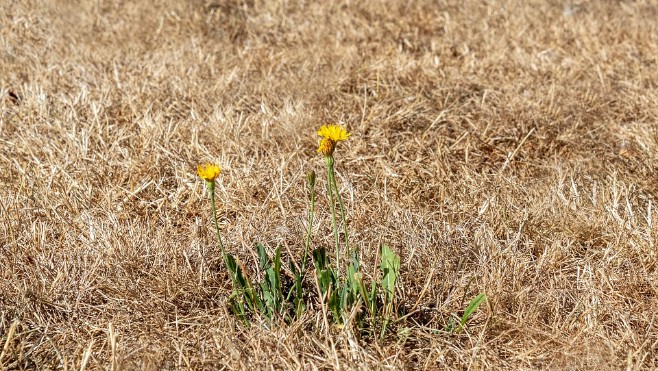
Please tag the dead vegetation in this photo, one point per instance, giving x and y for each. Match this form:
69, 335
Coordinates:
505, 147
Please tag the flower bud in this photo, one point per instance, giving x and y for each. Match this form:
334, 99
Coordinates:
310, 176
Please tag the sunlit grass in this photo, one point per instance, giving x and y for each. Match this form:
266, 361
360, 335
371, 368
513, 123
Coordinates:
497, 147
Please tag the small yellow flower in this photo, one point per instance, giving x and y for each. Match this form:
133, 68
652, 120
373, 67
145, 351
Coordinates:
331, 134
208, 172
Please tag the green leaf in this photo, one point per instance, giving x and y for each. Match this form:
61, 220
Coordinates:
231, 265
345, 298
373, 296
238, 310
272, 296
335, 305
243, 285
472, 307
263, 259
277, 274
368, 299
355, 261
236, 273
299, 293
326, 277
324, 280
390, 266
351, 278
268, 299
273, 279
296, 286
320, 258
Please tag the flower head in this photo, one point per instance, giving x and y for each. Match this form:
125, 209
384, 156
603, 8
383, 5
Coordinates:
331, 134
208, 172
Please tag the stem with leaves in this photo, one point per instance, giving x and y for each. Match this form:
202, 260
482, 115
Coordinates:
231, 272
211, 187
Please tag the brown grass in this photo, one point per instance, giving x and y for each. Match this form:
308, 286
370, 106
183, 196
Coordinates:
504, 147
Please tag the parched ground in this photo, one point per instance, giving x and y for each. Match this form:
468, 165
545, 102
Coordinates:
504, 147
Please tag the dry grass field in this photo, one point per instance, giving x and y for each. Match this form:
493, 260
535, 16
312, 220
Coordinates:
504, 147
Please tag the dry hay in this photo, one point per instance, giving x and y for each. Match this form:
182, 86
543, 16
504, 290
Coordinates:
505, 147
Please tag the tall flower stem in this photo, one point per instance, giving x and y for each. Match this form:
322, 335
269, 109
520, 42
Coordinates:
329, 161
342, 211
211, 187
231, 272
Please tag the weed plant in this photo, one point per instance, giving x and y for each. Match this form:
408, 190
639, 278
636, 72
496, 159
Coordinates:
341, 288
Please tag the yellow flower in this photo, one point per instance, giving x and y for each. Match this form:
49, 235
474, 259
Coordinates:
208, 172
331, 134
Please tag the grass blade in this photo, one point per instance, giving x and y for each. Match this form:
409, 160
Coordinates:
390, 266
472, 307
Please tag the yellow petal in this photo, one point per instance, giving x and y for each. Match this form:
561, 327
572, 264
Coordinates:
333, 132
208, 172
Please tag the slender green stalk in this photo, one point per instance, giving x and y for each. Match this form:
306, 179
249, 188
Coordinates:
211, 187
329, 161
342, 211
232, 273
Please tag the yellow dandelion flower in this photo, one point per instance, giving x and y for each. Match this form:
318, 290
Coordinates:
331, 134
336, 133
208, 172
